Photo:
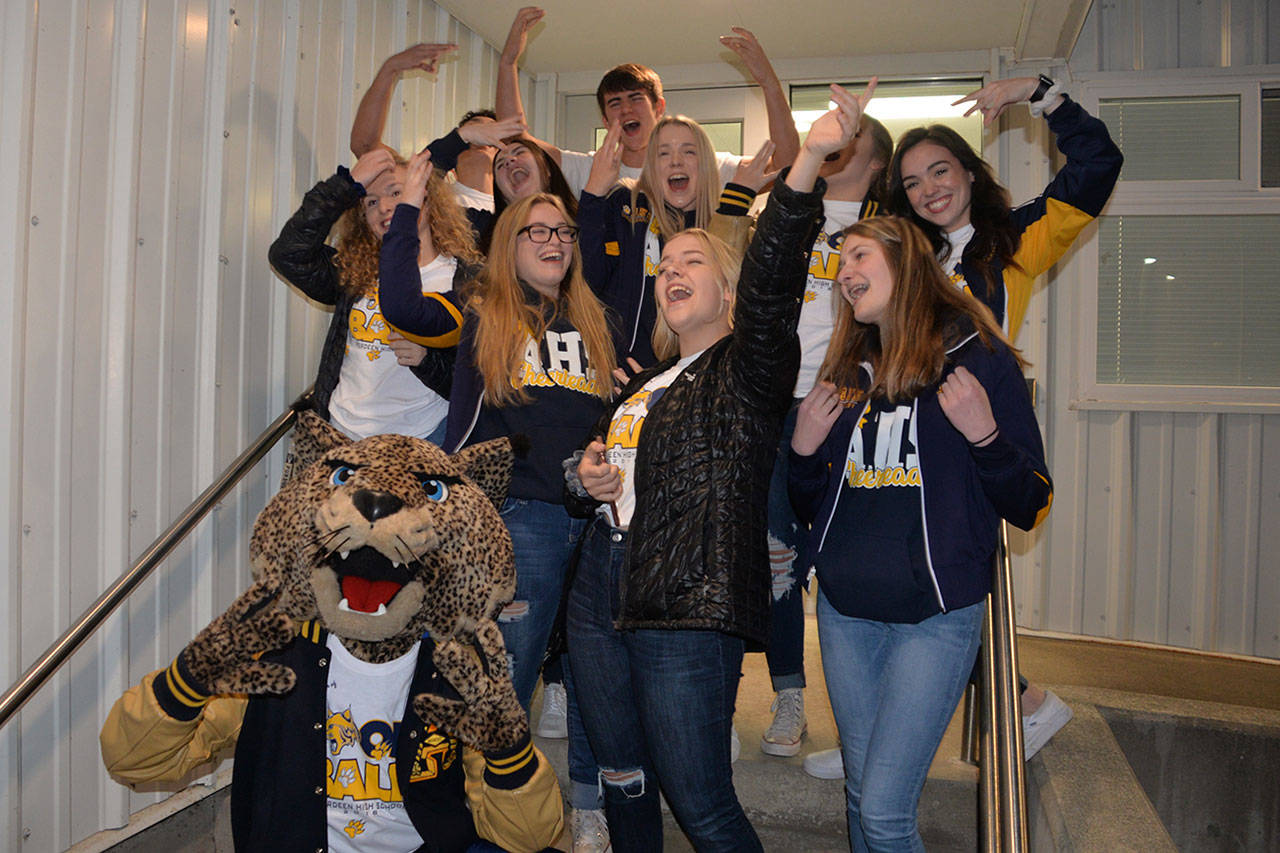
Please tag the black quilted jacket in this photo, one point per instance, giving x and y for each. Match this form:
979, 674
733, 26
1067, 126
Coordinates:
696, 553
301, 257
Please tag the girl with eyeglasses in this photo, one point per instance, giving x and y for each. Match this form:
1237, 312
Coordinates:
535, 358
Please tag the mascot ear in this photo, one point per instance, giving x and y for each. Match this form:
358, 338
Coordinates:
313, 437
489, 464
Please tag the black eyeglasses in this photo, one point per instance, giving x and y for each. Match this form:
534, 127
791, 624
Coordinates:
542, 233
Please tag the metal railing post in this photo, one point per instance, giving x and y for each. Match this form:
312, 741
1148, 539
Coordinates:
1009, 747
56, 655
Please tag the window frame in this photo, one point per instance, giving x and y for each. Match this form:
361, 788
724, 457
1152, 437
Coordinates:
1242, 197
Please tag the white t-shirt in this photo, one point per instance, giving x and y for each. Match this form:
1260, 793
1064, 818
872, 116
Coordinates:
817, 314
624, 438
950, 257
375, 394
471, 197
364, 705
577, 168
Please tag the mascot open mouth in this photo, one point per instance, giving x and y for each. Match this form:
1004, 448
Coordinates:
364, 595
368, 580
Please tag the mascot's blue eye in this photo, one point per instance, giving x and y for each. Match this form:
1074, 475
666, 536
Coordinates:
436, 490
341, 474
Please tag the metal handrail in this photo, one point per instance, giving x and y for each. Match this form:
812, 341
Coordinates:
997, 723
56, 655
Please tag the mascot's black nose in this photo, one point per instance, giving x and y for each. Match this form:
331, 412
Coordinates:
375, 505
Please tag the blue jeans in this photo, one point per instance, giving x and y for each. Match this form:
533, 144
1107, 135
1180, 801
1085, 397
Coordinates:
893, 689
657, 706
785, 652
543, 536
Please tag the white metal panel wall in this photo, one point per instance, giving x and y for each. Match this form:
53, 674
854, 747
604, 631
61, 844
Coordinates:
1163, 525
152, 150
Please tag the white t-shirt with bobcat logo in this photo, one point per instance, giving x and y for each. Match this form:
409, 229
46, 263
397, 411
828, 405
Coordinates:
365, 703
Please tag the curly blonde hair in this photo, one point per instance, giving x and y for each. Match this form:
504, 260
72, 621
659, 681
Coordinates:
359, 248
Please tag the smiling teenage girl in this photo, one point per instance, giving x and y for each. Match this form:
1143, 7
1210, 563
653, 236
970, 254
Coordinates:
904, 459
673, 582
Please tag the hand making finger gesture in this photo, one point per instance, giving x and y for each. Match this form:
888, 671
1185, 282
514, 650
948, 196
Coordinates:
415, 182
606, 163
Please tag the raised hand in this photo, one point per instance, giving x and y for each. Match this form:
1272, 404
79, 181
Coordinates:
415, 181
492, 133
223, 657
836, 128
423, 56
965, 403
992, 99
518, 36
607, 162
817, 413
370, 165
744, 43
485, 714
754, 172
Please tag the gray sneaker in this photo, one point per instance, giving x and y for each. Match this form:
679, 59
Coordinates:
789, 725
553, 722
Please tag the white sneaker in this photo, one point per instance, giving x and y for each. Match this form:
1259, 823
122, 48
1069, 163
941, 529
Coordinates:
735, 744
1037, 728
789, 725
825, 764
590, 831
553, 722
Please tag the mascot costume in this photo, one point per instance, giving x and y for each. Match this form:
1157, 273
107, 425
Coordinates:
362, 677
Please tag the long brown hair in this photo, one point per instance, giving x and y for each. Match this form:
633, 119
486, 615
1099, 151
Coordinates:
506, 320
358, 247
994, 236
925, 310
728, 266
707, 193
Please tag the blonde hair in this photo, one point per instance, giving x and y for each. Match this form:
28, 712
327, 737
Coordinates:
706, 194
727, 263
923, 307
505, 320
358, 248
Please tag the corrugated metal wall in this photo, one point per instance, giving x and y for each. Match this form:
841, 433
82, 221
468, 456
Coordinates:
152, 150
1164, 525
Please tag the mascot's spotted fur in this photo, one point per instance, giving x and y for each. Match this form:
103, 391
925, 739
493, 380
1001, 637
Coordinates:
378, 544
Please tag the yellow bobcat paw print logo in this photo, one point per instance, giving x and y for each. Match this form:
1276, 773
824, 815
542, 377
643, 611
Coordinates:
354, 828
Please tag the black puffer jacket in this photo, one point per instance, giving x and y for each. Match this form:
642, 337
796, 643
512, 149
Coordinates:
302, 258
696, 553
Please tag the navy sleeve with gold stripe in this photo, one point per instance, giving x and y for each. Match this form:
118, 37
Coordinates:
1074, 198
429, 319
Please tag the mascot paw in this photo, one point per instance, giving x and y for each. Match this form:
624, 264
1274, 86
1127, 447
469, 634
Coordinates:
478, 704
223, 658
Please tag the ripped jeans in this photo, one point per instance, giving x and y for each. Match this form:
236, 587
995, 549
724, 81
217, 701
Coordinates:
657, 706
543, 536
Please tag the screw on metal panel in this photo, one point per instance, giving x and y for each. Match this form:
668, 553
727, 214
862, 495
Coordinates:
26, 833
223, 259
35, 220
26, 530
140, 241
226, 134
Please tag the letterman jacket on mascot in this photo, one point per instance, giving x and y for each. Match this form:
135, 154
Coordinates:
381, 546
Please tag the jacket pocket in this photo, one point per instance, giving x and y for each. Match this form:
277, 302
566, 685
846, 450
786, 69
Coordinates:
877, 577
